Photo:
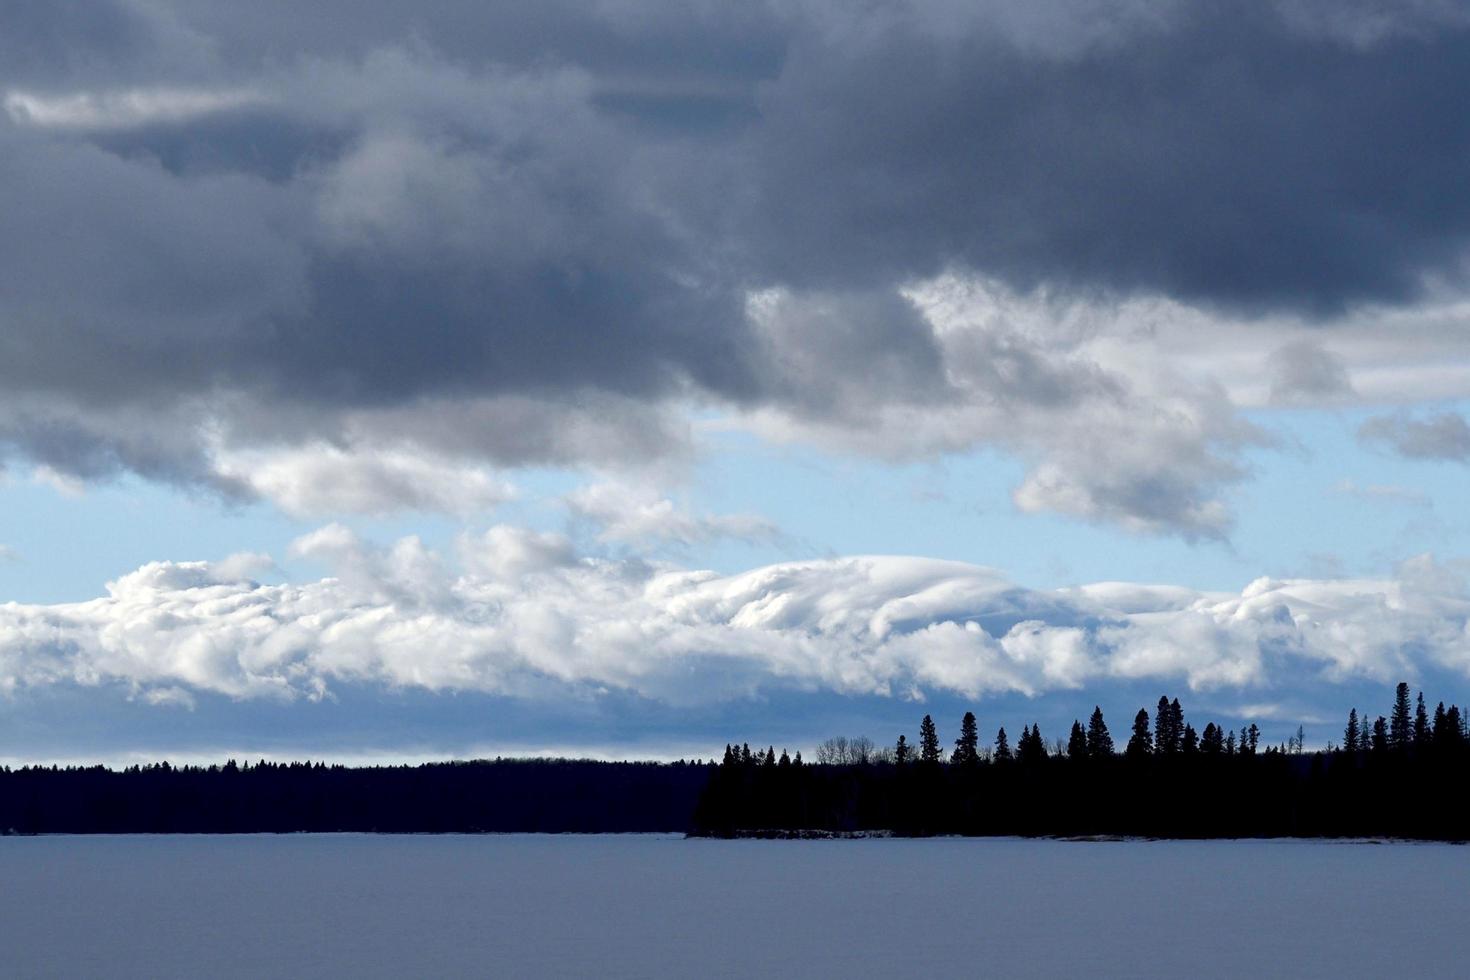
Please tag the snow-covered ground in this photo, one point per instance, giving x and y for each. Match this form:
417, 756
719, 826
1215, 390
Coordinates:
657, 906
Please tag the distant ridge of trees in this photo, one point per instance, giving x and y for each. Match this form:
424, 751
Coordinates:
1395, 778
504, 795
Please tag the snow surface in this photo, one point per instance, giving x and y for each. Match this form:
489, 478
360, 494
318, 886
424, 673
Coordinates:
660, 906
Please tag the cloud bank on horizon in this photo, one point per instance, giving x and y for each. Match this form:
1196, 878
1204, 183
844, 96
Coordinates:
321, 237
519, 613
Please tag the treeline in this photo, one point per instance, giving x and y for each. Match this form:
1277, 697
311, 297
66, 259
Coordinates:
1394, 778
539, 795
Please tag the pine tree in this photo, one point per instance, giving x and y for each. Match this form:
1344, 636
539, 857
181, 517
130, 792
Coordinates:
901, 751
1002, 747
928, 742
1441, 732
1400, 732
770, 759
1032, 746
1077, 743
1099, 741
1421, 724
785, 761
1141, 742
1163, 736
1381, 738
1212, 742
1191, 741
1351, 734
967, 746
1249, 739
1454, 727
1230, 743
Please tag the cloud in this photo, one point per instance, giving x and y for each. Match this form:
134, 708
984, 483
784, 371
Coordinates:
1305, 372
638, 515
1384, 493
324, 480
520, 615
552, 233
127, 109
1442, 436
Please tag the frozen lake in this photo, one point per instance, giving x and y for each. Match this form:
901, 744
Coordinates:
654, 906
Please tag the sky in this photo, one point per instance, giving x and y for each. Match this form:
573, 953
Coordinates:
394, 382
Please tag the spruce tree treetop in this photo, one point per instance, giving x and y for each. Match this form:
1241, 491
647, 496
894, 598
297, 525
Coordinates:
928, 741
1077, 742
1099, 741
1002, 747
1351, 734
1141, 742
1421, 724
967, 746
1400, 725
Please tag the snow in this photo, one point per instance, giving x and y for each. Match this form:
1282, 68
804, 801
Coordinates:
660, 906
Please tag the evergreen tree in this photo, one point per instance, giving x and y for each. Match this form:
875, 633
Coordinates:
967, 746
928, 742
1002, 747
1230, 743
770, 759
1212, 742
1077, 743
1191, 740
785, 761
1381, 739
901, 751
1033, 747
1454, 727
1099, 741
1249, 739
730, 757
1400, 730
1440, 734
1421, 724
1350, 735
1163, 733
1141, 742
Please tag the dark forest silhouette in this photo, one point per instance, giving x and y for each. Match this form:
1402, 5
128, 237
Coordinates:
1397, 778
1393, 777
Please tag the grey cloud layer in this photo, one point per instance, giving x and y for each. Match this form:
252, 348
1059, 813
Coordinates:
535, 232
520, 614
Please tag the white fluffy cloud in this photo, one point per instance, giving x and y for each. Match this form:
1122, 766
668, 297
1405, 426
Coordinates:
520, 614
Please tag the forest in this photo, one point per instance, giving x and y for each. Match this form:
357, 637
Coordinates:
1392, 777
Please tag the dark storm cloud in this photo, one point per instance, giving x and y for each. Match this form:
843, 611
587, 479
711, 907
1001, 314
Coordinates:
509, 230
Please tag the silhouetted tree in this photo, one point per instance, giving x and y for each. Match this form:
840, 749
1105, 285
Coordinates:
928, 742
1077, 742
1212, 742
1351, 734
1191, 740
1141, 742
1099, 741
901, 751
1400, 727
1421, 724
1002, 747
1230, 743
770, 759
1250, 738
967, 746
1381, 740
1032, 746
1454, 727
